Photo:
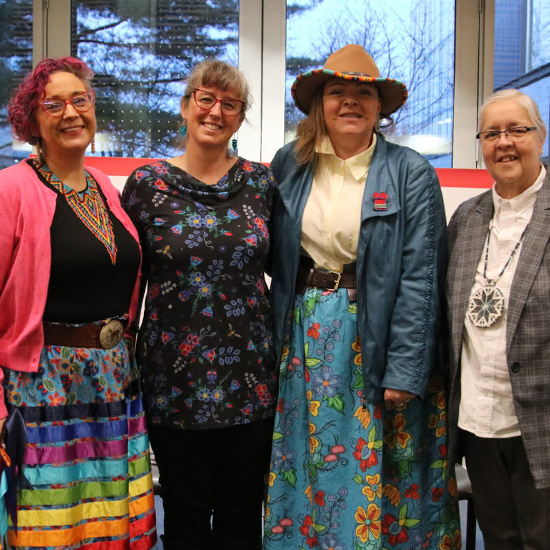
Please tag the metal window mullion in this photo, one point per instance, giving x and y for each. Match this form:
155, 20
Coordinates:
469, 61
54, 22
273, 77
250, 62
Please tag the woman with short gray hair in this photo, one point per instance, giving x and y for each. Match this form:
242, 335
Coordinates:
498, 294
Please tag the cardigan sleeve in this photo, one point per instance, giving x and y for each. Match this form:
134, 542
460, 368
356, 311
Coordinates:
9, 206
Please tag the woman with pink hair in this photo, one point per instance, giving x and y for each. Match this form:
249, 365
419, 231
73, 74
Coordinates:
69, 286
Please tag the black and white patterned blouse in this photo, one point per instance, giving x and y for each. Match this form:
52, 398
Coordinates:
205, 346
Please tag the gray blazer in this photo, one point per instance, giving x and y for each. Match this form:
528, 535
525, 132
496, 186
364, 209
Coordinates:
528, 324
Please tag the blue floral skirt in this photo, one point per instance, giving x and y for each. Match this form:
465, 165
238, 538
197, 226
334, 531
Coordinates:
344, 477
87, 455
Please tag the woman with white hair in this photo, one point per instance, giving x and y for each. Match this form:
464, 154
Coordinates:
498, 294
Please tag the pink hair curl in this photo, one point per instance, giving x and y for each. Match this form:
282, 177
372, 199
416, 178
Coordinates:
24, 102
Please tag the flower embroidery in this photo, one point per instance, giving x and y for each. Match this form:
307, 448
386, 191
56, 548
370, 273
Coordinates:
308, 530
365, 454
326, 383
454, 543
374, 487
412, 492
314, 405
356, 346
319, 498
368, 527
395, 529
282, 457
313, 330
395, 432
439, 423
363, 414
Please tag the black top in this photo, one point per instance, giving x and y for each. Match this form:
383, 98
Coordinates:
84, 284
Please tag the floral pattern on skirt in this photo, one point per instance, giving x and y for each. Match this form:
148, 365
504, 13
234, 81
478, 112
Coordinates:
344, 477
87, 455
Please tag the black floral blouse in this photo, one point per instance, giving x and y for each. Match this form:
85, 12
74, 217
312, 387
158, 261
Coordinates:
205, 345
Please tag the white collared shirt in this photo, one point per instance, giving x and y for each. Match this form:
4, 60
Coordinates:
486, 405
332, 216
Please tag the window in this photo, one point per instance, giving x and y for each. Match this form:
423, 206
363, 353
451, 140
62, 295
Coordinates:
410, 40
522, 52
142, 50
16, 61
140, 53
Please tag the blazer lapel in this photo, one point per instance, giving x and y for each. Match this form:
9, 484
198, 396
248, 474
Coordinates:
531, 254
469, 250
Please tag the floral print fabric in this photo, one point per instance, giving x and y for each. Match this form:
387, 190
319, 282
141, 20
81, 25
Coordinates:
205, 345
344, 477
87, 457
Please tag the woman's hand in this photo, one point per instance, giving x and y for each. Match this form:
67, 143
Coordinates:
397, 399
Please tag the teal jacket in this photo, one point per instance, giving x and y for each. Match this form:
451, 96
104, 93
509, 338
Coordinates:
401, 261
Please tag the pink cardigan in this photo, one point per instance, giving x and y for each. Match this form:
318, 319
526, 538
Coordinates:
27, 207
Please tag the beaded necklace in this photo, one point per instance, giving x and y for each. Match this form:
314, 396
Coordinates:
487, 303
88, 205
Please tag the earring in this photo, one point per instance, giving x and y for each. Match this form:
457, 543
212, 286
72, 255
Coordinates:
183, 128
234, 146
93, 145
38, 153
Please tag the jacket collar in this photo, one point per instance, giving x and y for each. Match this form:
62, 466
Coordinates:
295, 188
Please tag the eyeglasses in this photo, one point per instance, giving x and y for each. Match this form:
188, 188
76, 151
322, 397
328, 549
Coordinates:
206, 100
55, 106
513, 134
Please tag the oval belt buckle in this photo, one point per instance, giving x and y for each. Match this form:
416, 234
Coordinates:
111, 334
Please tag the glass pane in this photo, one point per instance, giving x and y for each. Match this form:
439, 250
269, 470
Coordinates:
522, 52
15, 64
140, 52
410, 40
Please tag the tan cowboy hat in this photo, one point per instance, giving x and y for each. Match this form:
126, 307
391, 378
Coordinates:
351, 62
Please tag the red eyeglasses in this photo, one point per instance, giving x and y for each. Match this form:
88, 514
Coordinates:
206, 100
55, 106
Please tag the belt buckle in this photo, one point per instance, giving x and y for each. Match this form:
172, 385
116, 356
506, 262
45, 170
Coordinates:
111, 334
337, 282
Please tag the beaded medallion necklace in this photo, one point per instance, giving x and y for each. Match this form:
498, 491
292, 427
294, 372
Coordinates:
88, 205
487, 303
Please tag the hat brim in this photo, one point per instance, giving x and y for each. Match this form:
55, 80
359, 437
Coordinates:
393, 93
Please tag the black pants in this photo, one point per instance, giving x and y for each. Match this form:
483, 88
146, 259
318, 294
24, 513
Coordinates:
213, 484
512, 513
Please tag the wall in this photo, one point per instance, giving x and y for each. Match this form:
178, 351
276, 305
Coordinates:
457, 184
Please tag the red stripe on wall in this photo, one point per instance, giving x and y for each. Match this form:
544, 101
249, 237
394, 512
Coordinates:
449, 177
464, 177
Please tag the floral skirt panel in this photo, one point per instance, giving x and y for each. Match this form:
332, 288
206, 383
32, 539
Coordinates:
87, 455
344, 477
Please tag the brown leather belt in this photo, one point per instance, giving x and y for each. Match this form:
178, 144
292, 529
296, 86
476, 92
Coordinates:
331, 280
104, 336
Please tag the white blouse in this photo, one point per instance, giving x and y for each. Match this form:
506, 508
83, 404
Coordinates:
332, 216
